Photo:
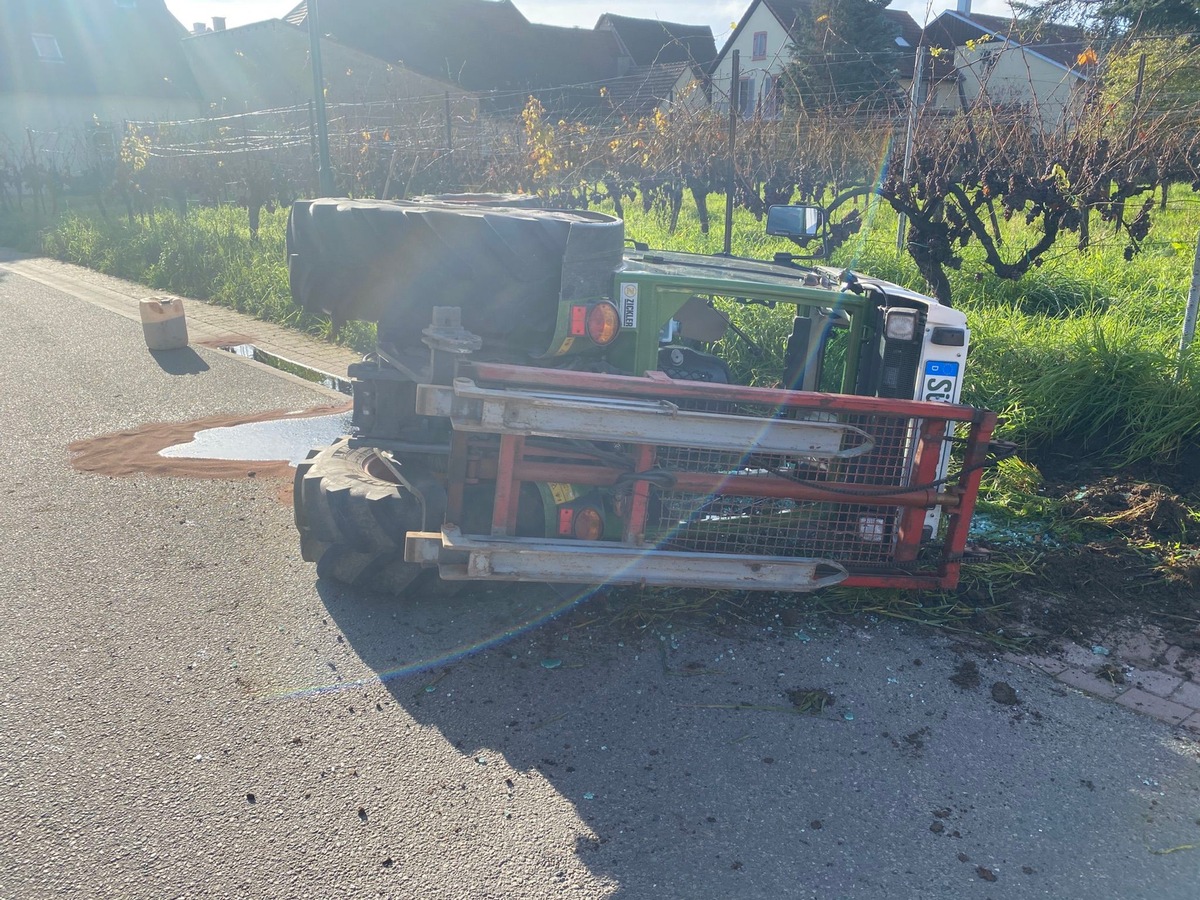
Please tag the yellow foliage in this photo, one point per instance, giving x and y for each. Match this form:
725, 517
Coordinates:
541, 139
135, 149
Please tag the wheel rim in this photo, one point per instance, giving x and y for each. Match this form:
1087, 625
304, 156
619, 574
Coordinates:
380, 467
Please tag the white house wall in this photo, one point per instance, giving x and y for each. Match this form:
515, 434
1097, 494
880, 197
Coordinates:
1010, 74
778, 55
687, 94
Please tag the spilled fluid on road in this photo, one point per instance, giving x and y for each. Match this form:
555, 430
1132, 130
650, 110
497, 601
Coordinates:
288, 439
276, 439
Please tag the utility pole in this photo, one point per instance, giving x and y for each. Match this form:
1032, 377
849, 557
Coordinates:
324, 170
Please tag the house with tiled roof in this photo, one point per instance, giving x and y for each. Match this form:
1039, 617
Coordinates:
764, 38
667, 64
488, 47
484, 46
72, 68
1043, 68
650, 42
265, 65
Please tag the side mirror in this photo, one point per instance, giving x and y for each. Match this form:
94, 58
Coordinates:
795, 222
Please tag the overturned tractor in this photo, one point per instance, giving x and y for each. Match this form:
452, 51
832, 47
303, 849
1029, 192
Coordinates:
545, 404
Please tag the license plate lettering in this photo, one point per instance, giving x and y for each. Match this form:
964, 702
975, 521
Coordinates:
940, 381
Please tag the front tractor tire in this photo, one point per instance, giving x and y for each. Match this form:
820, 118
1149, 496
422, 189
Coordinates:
353, 510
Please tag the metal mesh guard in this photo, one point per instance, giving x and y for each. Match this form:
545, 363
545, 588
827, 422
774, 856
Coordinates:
854, 532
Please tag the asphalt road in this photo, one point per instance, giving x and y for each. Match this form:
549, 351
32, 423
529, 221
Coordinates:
186, 712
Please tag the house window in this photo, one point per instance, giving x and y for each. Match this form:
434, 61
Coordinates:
103, 140
745, 97
760, 45
47, 47
988, 60
770, 97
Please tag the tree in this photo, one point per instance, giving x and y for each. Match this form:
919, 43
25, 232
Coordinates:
1153, 76
844, 56
1121, 17
1155, 16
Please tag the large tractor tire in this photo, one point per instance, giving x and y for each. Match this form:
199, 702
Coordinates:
505, 267
353, 509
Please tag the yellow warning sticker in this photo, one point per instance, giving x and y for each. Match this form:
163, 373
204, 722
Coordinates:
565, 346
562, 493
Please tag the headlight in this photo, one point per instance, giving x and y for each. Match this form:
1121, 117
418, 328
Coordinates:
900, 324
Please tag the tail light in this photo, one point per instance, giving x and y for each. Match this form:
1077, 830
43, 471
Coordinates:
588, 524
603, 323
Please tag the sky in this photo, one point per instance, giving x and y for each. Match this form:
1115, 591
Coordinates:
720, 15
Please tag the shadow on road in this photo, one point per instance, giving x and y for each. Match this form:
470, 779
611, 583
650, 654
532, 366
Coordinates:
660, 789
184, 361
681, 756
695, 775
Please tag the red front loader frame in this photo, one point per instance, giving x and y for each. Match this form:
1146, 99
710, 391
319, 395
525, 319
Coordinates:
717, 485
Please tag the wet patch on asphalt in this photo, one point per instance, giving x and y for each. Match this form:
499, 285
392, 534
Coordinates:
139, 450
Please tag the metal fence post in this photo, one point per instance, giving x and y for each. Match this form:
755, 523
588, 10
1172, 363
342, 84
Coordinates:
449, 168
913, 99
1189, 315
734, 111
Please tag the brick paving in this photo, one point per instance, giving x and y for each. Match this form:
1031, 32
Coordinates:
1166, 710
1141, 671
